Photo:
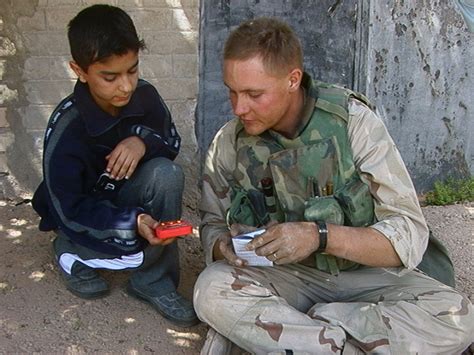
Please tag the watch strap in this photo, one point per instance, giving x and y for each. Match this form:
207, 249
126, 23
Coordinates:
323, 236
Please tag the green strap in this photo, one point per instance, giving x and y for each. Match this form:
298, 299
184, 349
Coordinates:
332, 108
327, 263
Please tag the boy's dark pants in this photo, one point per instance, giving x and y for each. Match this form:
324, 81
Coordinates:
156, 186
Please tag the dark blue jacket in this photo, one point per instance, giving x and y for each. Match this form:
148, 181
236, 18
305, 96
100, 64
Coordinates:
78, 137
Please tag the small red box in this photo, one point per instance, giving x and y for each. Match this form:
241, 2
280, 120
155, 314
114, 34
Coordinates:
173, 229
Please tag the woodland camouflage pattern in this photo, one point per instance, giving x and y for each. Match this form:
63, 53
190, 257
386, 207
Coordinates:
303, 167
302, 309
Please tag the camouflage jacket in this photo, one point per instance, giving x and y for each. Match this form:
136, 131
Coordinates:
376, 160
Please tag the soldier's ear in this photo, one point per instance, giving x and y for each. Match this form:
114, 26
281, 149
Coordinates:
81, 74
294, 79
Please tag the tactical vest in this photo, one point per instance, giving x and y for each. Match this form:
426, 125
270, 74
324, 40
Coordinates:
314, 175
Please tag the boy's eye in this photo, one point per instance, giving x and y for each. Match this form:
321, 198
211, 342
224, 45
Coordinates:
133, 71
109, 78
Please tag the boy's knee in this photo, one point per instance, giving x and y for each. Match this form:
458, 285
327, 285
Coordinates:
164, 172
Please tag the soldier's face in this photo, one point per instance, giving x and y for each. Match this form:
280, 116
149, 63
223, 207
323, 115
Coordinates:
262, 101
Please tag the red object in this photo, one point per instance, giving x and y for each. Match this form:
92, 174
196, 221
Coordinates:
173, 229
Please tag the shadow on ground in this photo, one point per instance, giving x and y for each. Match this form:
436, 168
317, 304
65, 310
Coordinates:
38, 315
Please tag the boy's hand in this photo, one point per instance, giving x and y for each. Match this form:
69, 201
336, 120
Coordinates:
146, 228
123, 160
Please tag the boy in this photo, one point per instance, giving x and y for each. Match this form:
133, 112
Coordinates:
108, 171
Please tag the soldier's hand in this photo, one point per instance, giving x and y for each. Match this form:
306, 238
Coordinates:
146, 228
287, 243
223, 248
123, 160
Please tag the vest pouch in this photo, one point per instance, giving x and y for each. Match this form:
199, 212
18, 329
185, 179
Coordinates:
247, 207
294, 171
356, 203
325, 209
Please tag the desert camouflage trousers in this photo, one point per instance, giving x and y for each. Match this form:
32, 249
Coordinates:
295, 309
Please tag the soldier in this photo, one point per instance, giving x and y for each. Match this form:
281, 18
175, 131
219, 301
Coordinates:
346, 234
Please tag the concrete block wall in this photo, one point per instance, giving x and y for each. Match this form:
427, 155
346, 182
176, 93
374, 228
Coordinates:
35, 75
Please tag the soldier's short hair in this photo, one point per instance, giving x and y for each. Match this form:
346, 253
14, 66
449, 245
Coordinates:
268, 38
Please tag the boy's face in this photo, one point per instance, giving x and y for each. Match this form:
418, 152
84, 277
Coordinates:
111, 81
261, 100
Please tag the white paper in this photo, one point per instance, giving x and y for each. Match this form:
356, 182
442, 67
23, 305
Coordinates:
253, 259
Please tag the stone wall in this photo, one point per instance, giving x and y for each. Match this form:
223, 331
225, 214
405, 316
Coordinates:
35, 75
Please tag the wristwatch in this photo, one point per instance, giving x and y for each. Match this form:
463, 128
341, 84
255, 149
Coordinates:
323, 236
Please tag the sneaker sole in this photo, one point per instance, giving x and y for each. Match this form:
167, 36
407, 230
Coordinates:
88, 296
138, 295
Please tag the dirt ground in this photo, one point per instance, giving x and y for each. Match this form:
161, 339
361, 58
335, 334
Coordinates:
38, 315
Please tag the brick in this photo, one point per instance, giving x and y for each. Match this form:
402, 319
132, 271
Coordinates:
35, 117
22, 7
46, 92
93, 2
46, 43
162, 3
6, 140
7, 95
171, 42
177, 89
3, 118
185, 65
167, 3
54, 3
7, 47
134, 3
158, 42
185, 20
57, 19
37, 22
183, 110
2, 68
156, 66
185, 43
183, 115
3, 164
52, 68
37, 137
36, 68
151, 19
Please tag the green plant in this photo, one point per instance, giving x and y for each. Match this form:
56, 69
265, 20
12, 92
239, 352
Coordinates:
451, 191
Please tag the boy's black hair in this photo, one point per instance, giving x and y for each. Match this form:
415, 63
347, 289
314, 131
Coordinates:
99, 31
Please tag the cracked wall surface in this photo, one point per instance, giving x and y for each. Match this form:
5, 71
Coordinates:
420, 59
414, 59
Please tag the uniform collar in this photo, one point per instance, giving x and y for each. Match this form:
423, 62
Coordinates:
98, 121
